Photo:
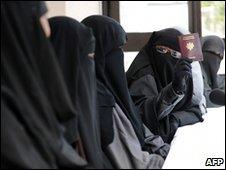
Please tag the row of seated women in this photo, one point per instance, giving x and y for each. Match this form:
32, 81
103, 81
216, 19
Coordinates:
65, 100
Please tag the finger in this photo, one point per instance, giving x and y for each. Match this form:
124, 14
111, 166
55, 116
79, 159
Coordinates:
186, 60
186, 73
183, 67
186, 67
182, 63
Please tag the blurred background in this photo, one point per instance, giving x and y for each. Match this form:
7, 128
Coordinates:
140, 18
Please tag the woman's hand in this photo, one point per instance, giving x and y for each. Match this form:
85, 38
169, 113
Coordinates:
181, 73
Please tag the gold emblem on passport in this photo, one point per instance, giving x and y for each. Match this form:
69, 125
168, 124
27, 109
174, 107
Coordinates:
190, 46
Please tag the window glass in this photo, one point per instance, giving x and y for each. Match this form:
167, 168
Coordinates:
149, 16
213, 18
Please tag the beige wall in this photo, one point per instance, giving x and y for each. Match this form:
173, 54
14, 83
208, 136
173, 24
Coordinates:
75, 9
56, 8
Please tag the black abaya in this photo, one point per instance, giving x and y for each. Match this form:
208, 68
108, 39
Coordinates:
150, 82
73, 42
35, 103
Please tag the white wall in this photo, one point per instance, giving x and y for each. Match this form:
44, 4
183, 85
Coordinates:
81, 9
75, 9
56, 8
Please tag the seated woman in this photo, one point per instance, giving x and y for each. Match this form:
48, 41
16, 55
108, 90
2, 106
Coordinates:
213, 52
35, 104
161, 85
122, 132
74, 45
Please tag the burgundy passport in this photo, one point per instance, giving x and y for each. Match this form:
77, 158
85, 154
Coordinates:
190, 47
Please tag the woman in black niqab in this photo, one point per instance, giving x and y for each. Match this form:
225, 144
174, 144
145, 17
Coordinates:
74, 44
124, 141
150, 78
213, 53
35, 103
108, 54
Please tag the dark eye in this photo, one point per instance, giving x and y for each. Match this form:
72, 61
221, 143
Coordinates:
161, 50
164, 50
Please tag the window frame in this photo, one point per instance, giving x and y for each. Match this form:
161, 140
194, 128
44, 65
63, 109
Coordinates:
137, 40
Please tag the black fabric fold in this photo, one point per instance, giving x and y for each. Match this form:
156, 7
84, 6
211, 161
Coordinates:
149, 76
73, 42
35, 103
110, 36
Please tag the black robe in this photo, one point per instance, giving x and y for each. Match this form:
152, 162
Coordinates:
109, 37
213, 51
35, 104
73, 42
112, 86
150, 82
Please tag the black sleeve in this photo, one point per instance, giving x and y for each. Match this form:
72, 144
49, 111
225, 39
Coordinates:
165, 101
155, 107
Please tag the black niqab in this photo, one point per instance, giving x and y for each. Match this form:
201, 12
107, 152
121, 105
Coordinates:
161, 65
213, 50
73, 42
34, 98
158, 71
110, 36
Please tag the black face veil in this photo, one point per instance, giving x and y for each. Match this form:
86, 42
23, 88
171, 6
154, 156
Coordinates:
34, 99
213, 50
161, 65
110, 36
73, 42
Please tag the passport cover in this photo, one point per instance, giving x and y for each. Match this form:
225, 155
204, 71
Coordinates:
190, 47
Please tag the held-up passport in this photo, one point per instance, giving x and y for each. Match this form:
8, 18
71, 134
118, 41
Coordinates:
190, 47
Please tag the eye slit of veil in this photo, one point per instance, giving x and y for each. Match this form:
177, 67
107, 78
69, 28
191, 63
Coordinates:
164, 50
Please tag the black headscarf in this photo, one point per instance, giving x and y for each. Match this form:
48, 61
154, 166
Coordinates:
34, 99
213, 52
161, 66
110, 36
73, 42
